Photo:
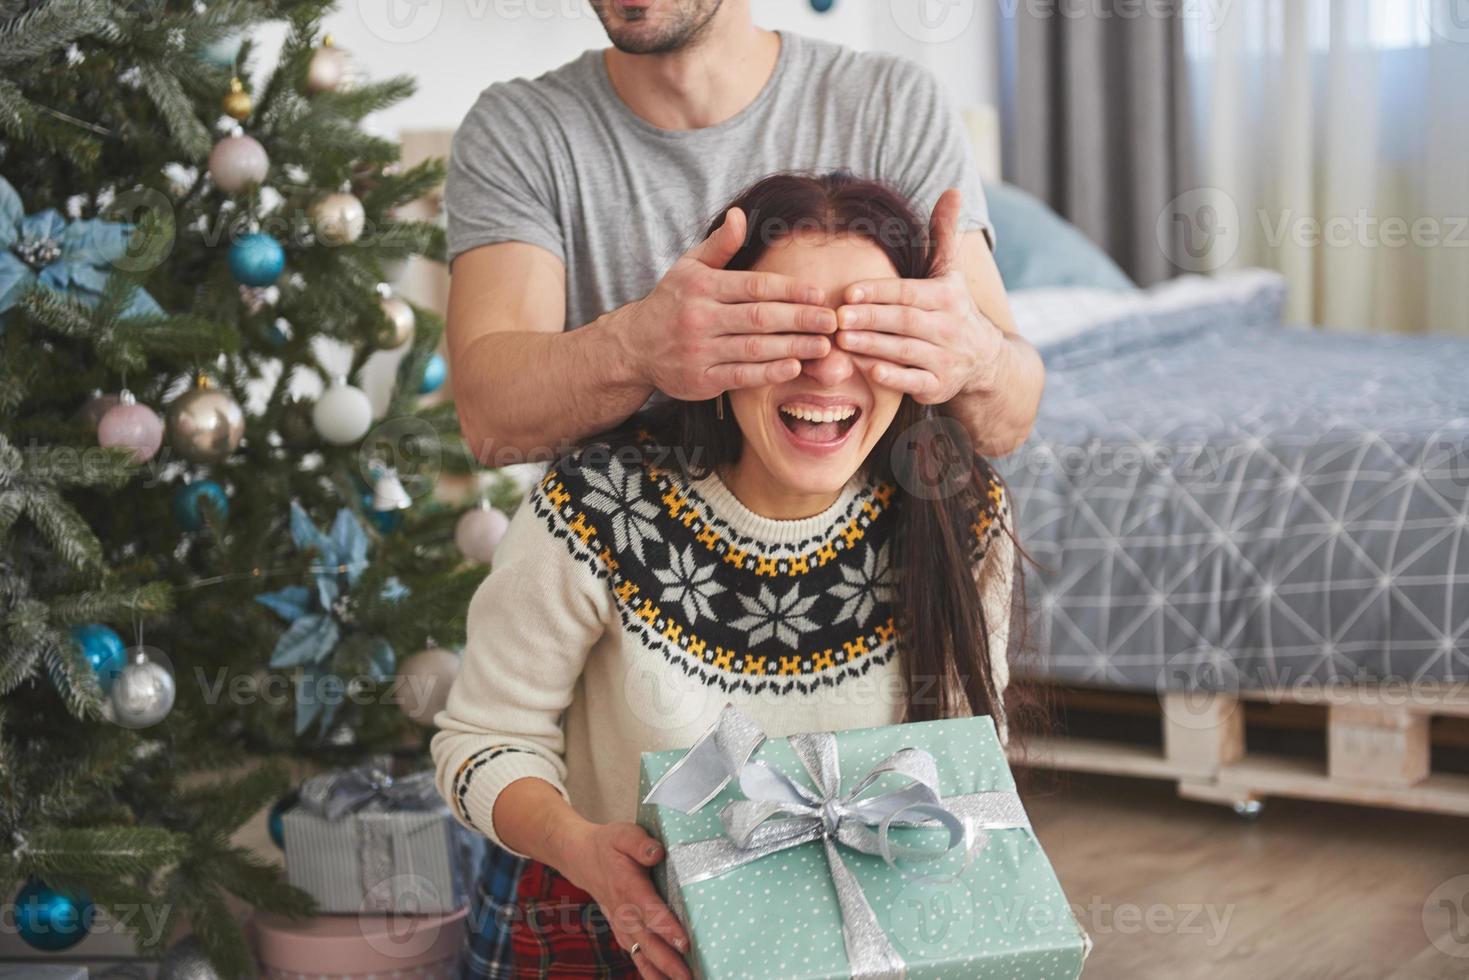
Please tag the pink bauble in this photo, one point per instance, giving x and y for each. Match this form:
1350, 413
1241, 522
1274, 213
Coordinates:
423, 683
131, 426
478, 534
237, 162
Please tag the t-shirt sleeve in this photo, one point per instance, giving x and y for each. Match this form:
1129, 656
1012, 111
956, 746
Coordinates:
926, 149
531, 626
501, 182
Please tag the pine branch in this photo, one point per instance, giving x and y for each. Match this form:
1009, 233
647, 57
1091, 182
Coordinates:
48, 28
219, 934
103, 851
58, 312
177, 110
145, 602
64, 529
72, 677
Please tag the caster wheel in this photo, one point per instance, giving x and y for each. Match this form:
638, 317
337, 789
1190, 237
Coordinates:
1249, 810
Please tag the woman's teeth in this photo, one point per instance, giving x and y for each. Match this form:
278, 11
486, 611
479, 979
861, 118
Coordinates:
819, 424
808, 414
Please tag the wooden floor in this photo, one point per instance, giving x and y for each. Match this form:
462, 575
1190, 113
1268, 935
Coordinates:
1175, 889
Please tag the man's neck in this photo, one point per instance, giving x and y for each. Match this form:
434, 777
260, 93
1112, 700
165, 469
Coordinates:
710, 81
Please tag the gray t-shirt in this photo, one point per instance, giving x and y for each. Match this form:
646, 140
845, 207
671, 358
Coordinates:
561, 162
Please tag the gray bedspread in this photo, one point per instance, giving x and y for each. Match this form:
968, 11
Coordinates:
1216, 499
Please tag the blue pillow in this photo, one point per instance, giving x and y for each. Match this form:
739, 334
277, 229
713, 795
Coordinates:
1036, 248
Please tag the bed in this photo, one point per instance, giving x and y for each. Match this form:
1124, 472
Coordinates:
1220, 502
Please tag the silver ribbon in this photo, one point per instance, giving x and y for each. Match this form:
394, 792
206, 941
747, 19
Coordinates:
779, 813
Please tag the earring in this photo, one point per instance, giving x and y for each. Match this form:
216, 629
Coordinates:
719, 406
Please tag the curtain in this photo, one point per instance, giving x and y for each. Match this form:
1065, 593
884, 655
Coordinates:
1334, 149
1096, 118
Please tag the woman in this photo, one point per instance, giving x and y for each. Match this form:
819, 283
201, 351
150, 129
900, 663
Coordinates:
802, 550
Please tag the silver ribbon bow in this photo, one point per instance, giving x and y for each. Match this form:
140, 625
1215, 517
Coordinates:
370, 786
779, 813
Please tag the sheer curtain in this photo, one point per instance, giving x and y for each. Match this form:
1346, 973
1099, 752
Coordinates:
1334, 142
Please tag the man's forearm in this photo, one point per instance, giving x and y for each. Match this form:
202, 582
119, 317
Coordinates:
525, 396
1000, 411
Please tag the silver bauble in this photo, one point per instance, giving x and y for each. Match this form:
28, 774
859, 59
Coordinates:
339, 219
185, 960
398, 330
424, 679
205, 425
330, 69
238, 162
142, 694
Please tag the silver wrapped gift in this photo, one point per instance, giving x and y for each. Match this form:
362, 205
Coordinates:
359, 840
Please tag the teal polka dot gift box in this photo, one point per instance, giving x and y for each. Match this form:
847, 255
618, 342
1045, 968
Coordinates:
878, 853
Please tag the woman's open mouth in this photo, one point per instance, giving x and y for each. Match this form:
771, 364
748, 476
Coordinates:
818, 428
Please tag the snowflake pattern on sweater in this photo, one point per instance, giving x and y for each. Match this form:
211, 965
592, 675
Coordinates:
737, 613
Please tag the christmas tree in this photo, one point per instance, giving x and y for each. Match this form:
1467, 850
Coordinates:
203, 571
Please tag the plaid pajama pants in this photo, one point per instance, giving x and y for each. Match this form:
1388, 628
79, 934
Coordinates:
527, 921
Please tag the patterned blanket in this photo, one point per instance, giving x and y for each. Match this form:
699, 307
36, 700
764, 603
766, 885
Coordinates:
1215, 499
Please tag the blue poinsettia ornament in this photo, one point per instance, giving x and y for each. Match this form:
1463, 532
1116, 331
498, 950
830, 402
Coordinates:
319, 615
75, 258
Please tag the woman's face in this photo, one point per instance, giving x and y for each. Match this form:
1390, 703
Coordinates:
805, 439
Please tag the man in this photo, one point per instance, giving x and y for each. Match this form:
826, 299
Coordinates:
570, 195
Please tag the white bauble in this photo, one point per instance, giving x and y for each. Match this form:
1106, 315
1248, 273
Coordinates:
342, 415
478, 533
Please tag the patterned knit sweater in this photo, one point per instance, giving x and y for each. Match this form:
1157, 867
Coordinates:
627, 606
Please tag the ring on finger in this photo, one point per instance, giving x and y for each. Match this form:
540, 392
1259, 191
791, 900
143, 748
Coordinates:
635, 949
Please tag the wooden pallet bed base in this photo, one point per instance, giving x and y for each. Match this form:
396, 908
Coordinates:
1378, 747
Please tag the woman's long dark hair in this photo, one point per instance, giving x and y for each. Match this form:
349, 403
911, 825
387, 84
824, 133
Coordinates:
943, 636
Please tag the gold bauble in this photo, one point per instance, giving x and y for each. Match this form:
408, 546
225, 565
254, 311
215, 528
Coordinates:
330, 69
237, 103
339, 219
398, 330
205, 424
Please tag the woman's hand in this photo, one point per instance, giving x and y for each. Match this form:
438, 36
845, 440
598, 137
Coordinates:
610, 862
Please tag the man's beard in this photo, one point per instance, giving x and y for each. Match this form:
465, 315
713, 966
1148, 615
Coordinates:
684, 22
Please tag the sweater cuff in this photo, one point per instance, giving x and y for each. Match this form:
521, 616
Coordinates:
482, 776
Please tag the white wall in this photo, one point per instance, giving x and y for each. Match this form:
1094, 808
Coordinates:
457, 47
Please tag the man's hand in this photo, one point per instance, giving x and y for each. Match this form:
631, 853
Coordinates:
704, 330
924, 337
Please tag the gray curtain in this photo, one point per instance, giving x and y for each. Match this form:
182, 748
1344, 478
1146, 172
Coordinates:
1096, 120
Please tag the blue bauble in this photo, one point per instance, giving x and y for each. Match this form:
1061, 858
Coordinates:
222, 53
275, 821
822, 6
257, 259
189, 501
103, 649
51, 920
434, 374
